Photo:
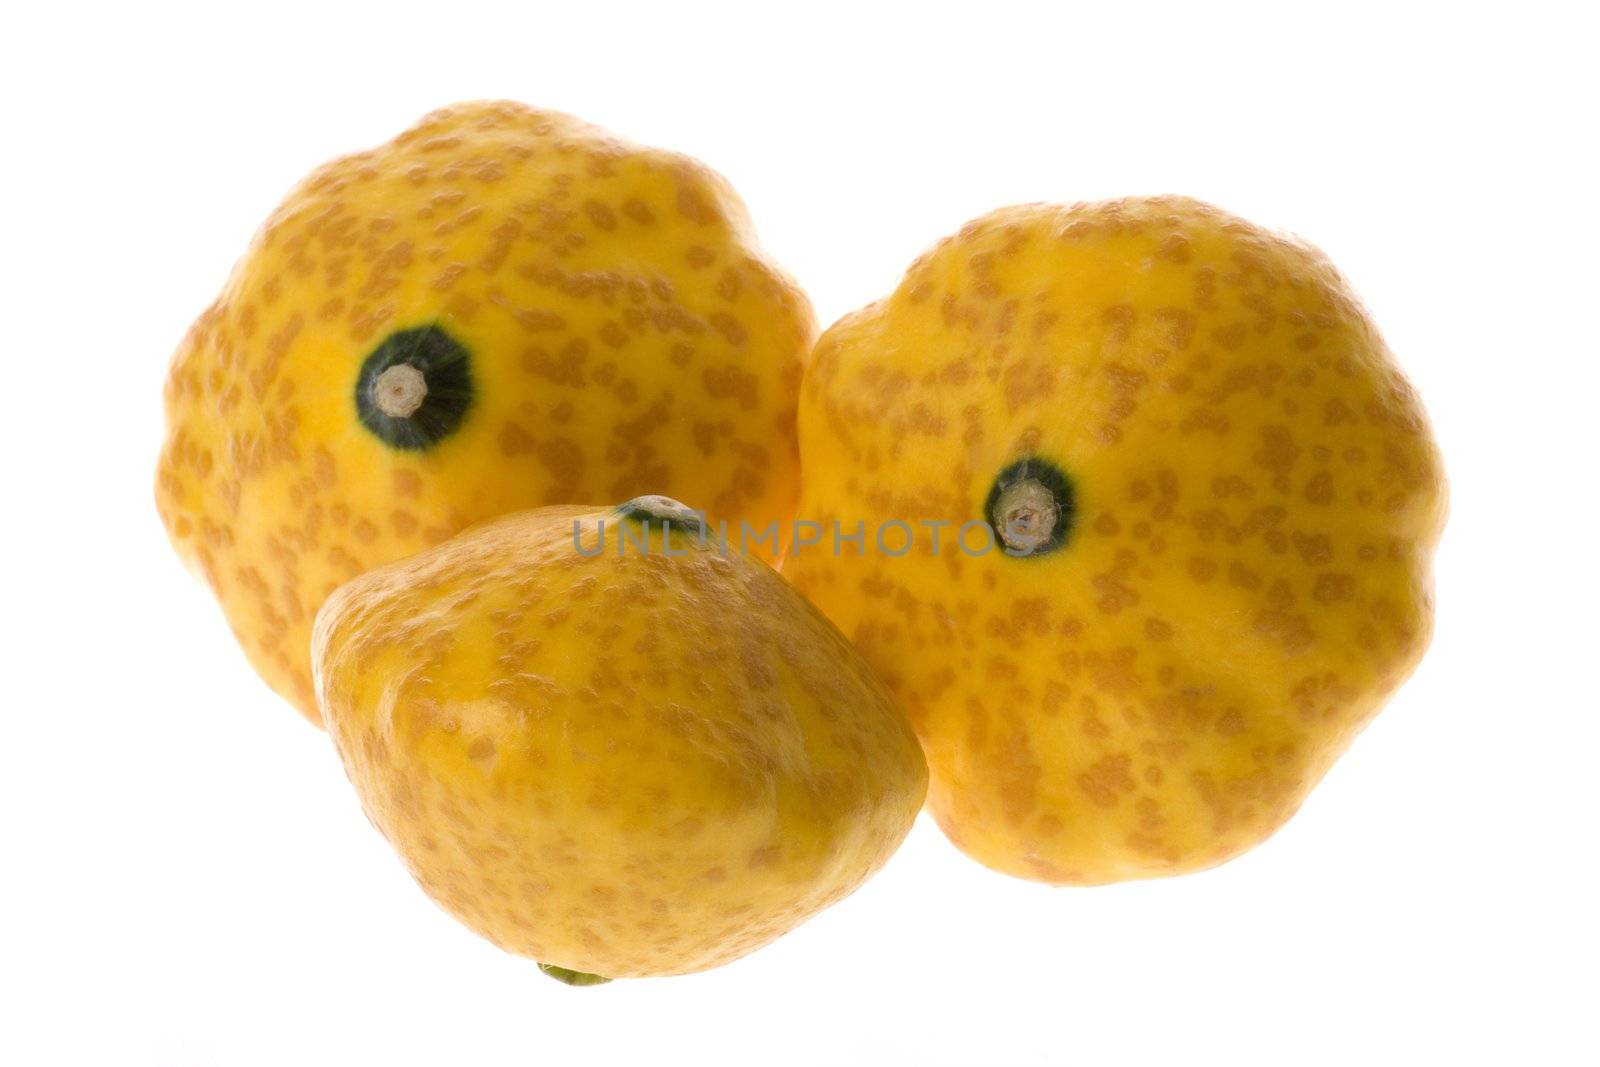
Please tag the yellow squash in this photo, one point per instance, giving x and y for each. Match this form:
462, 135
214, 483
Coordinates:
1216, 502
619, 758
500, 308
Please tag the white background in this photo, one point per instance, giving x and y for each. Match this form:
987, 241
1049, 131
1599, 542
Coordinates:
187, 878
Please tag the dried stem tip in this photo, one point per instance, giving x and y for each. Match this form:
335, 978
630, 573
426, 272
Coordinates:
399, 391
1027, 512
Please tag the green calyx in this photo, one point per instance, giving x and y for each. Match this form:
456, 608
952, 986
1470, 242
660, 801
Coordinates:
415, 388
568, 976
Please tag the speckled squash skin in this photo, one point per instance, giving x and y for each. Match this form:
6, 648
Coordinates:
622, 764
624, 333
1247, 575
